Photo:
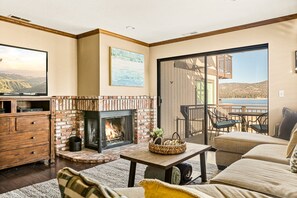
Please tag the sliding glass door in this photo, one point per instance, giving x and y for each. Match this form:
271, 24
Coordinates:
233, 80
182, 92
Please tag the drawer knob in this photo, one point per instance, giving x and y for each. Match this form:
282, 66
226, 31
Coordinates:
33, 137
33, 122
33, 152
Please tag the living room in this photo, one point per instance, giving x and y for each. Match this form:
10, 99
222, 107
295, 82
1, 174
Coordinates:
79, 75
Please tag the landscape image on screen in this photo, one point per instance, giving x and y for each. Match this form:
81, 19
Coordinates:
22, 71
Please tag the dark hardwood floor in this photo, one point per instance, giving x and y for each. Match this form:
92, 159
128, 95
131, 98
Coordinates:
21, 176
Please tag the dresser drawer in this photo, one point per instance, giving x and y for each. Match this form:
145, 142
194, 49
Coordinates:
5, 125
22, 156
21, 140
32, 123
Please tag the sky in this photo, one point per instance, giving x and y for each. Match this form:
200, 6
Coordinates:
249, 67
22, 61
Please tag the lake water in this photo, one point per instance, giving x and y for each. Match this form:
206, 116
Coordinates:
250, 101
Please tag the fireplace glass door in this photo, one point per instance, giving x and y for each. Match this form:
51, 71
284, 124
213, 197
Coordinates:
108, 129
116, 130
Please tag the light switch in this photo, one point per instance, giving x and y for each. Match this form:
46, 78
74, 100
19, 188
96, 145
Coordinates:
281, 93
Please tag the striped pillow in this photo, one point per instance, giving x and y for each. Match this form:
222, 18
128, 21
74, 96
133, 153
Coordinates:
73, 184
293, 161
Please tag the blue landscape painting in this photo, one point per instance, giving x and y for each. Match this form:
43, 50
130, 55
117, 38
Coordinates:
127, 68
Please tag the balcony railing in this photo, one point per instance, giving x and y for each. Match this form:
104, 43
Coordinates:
192, 122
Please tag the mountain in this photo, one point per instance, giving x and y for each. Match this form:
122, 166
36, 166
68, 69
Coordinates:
243, 90
14, 83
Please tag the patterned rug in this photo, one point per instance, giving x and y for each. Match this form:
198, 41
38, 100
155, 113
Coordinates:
113, 174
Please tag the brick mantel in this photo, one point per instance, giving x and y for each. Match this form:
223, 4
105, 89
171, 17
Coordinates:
69, 118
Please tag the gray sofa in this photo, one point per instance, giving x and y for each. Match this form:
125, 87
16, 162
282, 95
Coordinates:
232, 146
262, 170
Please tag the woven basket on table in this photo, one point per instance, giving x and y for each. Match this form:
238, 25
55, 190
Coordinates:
168, 149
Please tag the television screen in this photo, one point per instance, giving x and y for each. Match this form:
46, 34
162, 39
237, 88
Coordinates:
22, 71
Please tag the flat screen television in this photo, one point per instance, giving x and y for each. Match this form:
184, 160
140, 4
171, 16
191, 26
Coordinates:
23, 72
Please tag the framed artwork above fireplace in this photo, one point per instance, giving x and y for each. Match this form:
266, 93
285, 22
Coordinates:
126, 68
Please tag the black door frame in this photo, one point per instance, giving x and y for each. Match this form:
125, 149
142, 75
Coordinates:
205, 54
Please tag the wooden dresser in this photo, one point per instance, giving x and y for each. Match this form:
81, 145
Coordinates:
25, 131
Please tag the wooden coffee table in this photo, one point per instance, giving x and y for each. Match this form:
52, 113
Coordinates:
166, 162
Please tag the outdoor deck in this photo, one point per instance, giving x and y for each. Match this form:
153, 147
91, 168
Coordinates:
192, 123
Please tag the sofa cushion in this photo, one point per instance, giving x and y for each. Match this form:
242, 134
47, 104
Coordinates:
293, 141
223, 191
214, 190
224, 158
268, 152
133, 192
73, 184
293, 161
242, 142
265, 177
288, 122
154, 188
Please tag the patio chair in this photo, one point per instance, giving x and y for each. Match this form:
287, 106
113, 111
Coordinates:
220, 122
224, 113
261, 125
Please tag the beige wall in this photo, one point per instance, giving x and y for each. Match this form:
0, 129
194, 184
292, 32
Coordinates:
282, 40
62, 55
88, 66
107, 41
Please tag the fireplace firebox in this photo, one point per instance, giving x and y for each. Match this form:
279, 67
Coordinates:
107, 129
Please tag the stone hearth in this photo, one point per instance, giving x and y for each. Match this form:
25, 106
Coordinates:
92, 156
68, 119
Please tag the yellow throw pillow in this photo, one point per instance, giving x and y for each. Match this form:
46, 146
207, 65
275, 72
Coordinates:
292, 143
154, 188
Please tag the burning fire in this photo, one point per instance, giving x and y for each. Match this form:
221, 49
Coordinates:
112, 131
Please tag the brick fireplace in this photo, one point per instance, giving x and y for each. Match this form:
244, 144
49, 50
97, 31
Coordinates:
108, 129
69, 114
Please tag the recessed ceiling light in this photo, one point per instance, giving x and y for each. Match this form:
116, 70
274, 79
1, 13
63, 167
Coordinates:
130, 27
19, 18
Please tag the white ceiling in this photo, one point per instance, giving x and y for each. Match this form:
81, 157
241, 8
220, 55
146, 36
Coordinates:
154, 20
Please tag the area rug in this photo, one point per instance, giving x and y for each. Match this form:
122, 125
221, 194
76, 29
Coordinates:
113, 174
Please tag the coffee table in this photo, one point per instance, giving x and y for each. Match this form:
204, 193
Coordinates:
166, 162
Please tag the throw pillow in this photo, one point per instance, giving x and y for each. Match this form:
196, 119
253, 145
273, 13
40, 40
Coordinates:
73, 184
154, 188
293, 141
288, 122
293, 161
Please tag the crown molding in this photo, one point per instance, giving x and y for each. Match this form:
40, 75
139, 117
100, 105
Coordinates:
226, 30
89, 33
101, 31
170, 41
123, 37
38, 27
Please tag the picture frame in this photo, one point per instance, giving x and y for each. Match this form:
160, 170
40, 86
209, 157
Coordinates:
126, 68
